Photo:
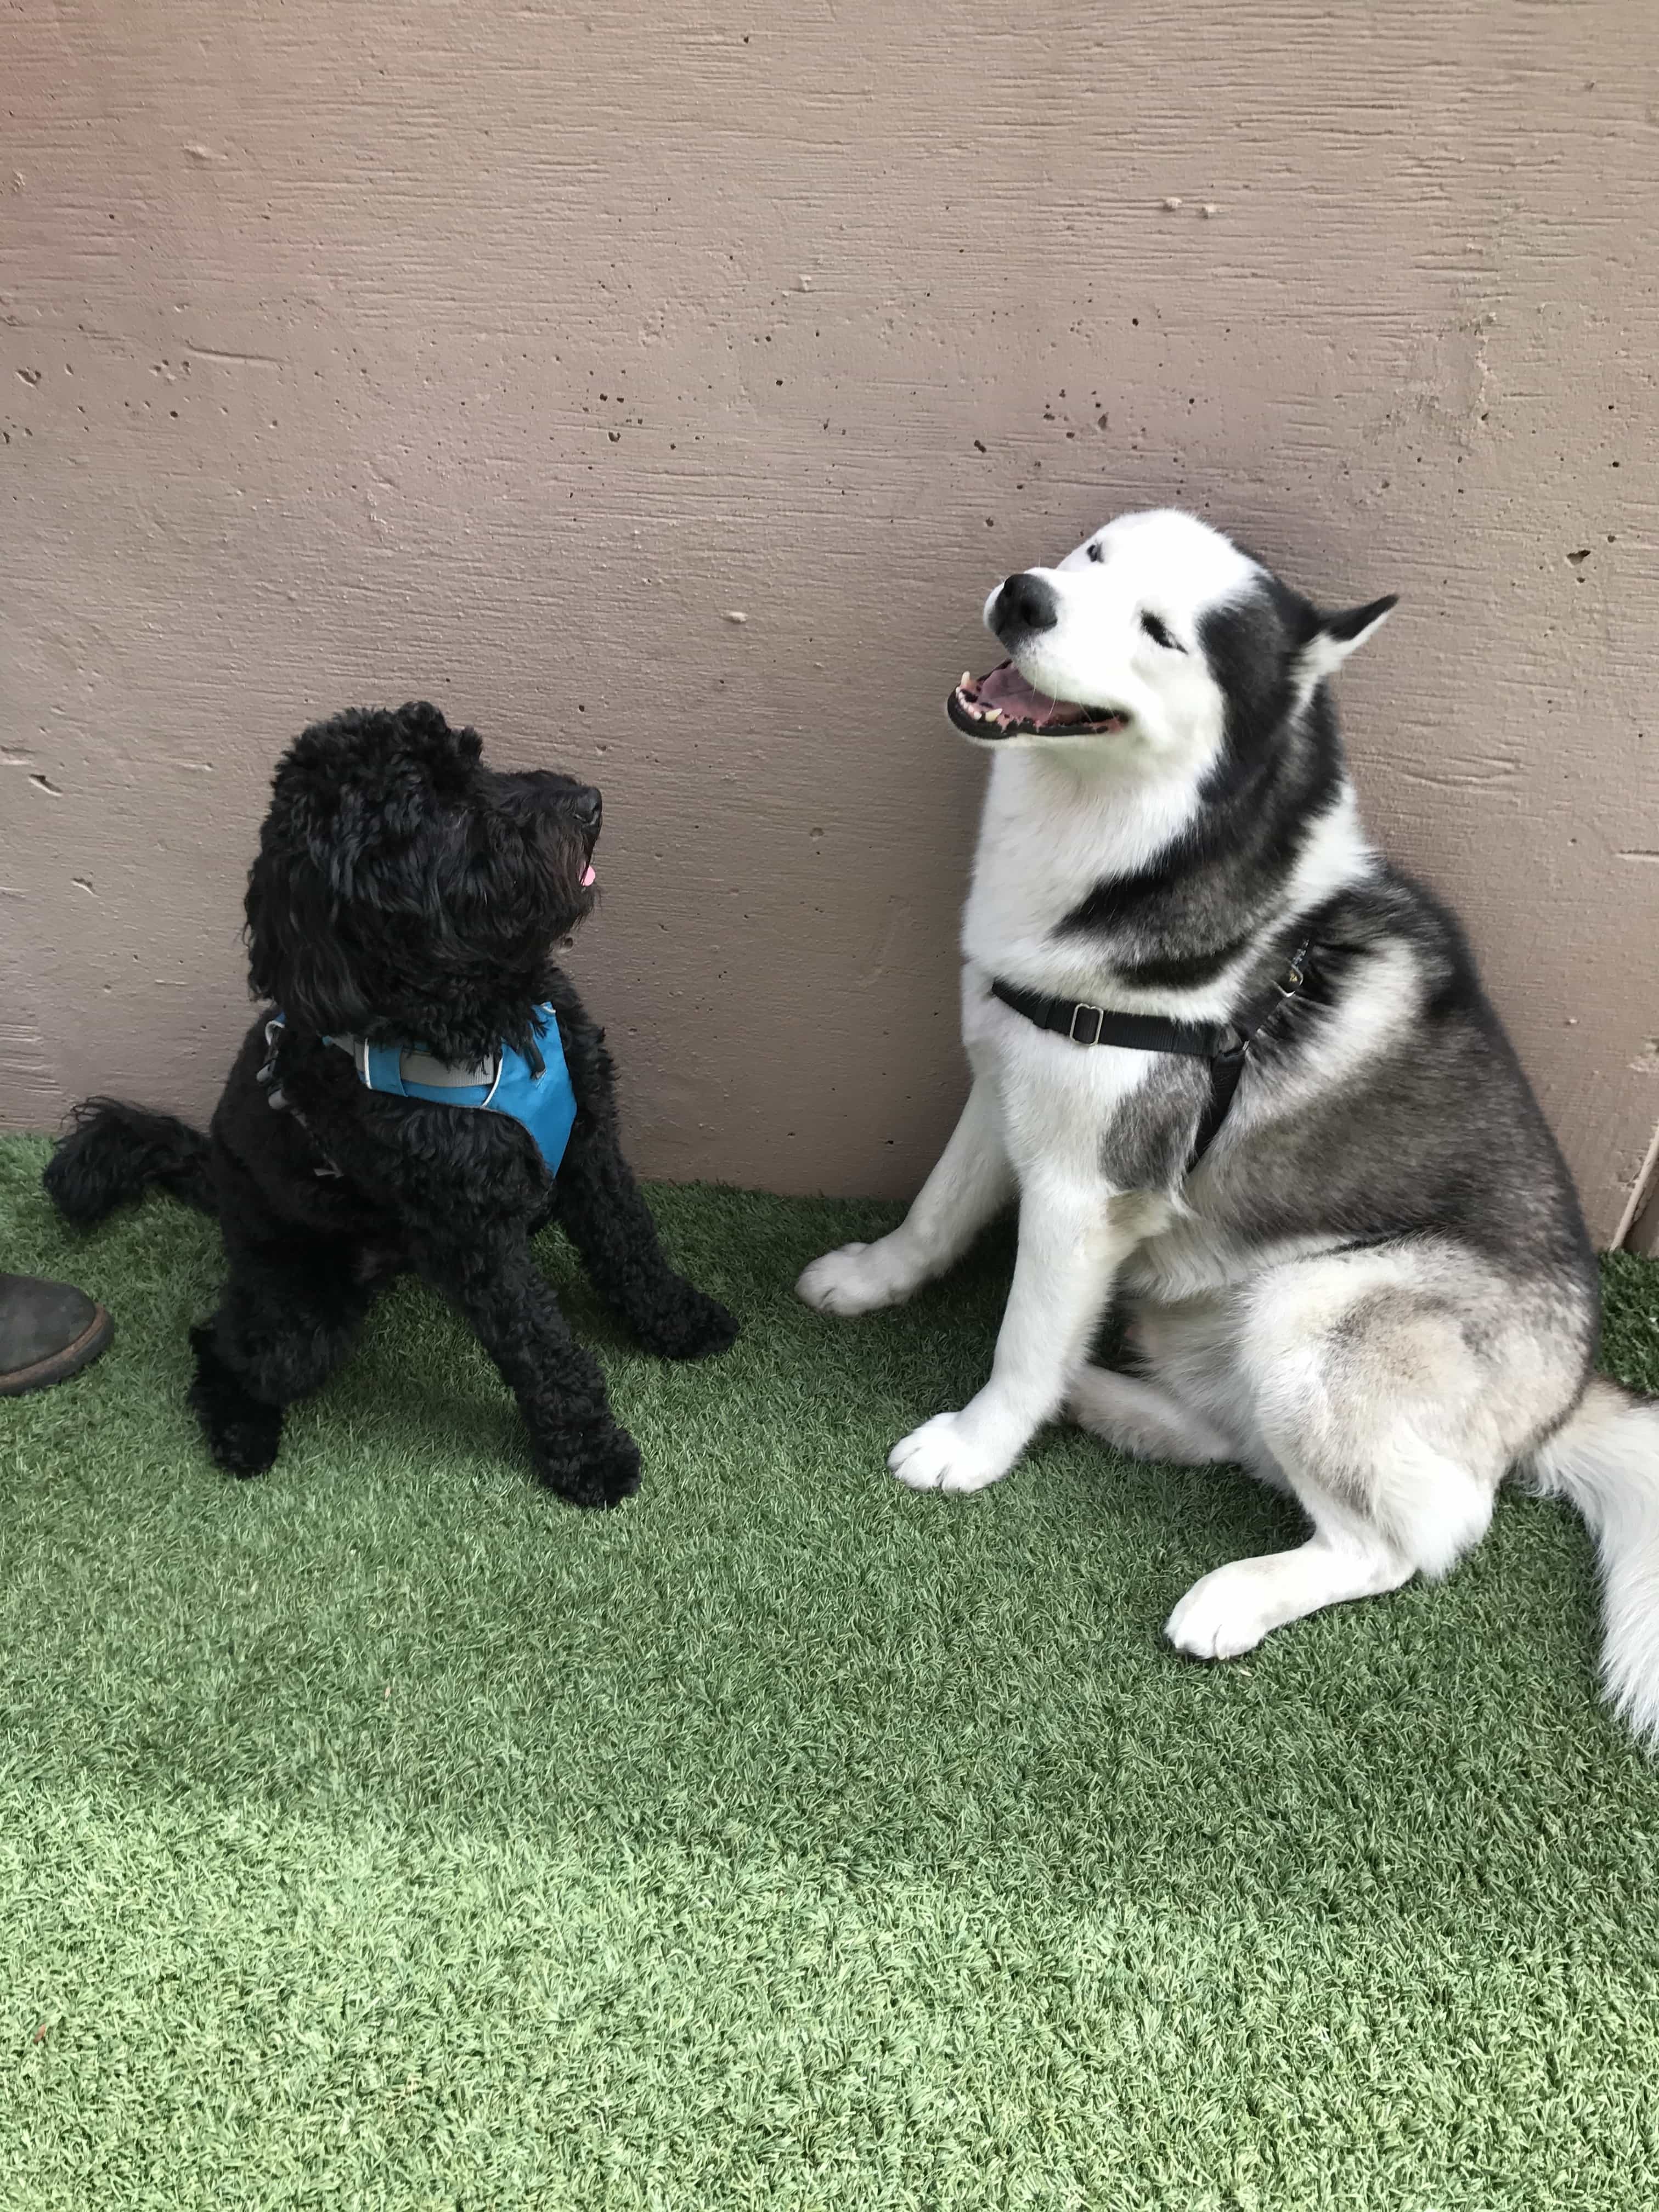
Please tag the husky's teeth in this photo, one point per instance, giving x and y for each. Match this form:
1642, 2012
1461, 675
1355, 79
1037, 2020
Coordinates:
967, 679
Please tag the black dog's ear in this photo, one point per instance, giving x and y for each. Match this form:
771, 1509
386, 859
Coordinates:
364, 786
349, 800
448, 756
297, 959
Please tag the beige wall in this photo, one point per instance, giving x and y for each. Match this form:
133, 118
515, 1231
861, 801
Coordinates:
499, 353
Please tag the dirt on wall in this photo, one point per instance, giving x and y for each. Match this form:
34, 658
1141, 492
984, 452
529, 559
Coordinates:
509, 356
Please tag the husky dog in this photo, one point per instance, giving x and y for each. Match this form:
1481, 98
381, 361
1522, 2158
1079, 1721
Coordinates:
1241, 1075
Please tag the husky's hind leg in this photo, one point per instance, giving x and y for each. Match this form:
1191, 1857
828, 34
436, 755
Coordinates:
1391, 1422
1140, 1418
1182, 1403
1230, 1610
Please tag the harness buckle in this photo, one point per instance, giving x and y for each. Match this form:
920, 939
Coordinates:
1296, 975
266, 1076
1099, 1013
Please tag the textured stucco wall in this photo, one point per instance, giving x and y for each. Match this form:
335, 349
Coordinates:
497, 352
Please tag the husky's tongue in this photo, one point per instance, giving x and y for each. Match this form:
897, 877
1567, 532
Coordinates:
1006, 691
590, 876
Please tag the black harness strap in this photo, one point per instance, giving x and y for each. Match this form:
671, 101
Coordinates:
1085, 1024
1226, 1045
276, 1098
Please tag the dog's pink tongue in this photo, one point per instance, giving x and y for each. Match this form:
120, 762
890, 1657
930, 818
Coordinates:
590, 876
1006, 688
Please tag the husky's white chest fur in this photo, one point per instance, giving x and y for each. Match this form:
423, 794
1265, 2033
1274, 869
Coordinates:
1054, 827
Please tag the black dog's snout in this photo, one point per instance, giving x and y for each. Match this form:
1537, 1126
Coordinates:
588, 808
1025, 604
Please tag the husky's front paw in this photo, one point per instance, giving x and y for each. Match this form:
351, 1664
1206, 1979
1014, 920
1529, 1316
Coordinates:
942, 1454
857, 1279
1222, 1615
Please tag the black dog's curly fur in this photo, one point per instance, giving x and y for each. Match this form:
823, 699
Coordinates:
406, 893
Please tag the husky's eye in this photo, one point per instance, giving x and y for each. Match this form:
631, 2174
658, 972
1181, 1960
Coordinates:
1160, 634
1096, 552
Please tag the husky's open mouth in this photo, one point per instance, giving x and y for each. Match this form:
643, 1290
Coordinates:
1004, 705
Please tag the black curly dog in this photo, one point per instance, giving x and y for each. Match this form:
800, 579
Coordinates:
404, 892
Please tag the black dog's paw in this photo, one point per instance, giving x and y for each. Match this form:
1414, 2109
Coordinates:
688, 1324
243, 1432
593, 1467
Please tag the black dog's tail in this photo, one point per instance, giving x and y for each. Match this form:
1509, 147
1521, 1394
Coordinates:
114, 1152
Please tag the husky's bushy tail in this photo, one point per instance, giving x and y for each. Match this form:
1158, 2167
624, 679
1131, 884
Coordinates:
113, 1153
1604, 1460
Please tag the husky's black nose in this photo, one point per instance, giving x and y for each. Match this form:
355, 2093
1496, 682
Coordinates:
1025, 604
588, 806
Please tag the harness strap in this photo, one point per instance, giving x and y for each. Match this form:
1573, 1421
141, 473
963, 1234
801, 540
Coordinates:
533, 1089
1091, 1025
407, 1072
276, 1097
1226, 1045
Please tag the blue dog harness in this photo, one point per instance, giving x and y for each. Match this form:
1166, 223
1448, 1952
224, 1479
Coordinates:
545, 1104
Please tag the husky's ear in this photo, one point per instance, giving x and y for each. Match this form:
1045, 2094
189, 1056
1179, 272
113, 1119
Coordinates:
1336, 637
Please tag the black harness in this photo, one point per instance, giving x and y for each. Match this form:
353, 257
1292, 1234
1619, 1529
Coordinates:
1226, 1045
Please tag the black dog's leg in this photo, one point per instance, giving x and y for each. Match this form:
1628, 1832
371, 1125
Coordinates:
578, 1448
611, 1225
286, 1321
243, 1432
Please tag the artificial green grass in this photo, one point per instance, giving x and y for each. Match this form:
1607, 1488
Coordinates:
385, 1833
